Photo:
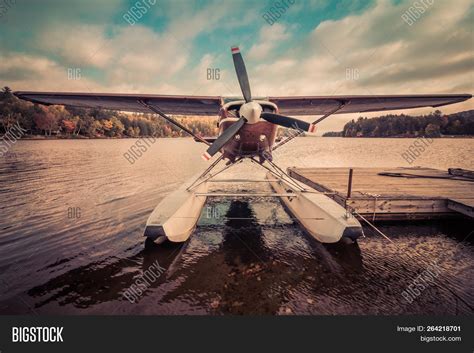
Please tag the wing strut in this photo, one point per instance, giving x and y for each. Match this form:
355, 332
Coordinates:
341, 105
317, 121
172, 121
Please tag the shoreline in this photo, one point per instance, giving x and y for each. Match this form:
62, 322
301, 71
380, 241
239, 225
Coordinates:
47, 138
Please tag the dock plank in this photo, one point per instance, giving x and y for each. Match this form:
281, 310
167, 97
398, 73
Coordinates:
432, 193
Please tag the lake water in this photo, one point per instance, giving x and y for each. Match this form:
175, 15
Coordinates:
252, 259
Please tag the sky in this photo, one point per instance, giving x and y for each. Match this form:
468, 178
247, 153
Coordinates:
315, 47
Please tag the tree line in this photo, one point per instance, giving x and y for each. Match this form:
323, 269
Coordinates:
71, 122
432, 125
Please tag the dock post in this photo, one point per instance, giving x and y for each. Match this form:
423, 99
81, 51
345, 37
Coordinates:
349, 184
349, 190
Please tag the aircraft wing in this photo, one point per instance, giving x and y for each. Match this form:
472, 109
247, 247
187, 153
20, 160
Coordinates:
174, 105
210, 105
320, 105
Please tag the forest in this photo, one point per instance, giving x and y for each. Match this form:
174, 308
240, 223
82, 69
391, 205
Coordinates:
432, 125
60, 122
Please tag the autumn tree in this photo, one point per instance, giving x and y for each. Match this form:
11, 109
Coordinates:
68, 125
96, 129
47, 118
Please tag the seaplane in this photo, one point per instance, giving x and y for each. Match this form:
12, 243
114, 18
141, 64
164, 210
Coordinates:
247, 132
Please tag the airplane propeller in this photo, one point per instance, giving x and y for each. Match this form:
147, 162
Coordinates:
225, 137
241, 74
251, 111
287, 121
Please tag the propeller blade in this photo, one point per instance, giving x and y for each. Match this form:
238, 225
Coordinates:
241, 73
225, 137
287, 121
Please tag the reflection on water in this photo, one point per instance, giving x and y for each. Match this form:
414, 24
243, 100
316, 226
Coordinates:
246, 257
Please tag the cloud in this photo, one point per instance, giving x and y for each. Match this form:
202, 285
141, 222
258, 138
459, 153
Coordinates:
29, 72
132, 57
269, 38
76, 45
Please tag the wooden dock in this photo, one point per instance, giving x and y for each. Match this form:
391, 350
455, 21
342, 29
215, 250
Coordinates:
394, 193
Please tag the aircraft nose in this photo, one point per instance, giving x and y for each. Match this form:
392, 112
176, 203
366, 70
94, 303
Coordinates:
256, 111
251, 111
